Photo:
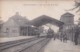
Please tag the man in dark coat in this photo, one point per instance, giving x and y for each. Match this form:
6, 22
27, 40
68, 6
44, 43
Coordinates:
77, 32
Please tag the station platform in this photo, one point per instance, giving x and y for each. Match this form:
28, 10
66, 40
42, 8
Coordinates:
58, 46
7, 39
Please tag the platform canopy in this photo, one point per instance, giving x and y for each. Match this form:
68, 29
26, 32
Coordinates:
42, 20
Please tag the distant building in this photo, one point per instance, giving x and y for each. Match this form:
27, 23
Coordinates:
68, 26
15, 26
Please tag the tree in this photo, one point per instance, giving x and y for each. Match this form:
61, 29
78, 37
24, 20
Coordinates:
77, 5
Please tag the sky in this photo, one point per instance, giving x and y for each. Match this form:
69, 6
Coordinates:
34, 9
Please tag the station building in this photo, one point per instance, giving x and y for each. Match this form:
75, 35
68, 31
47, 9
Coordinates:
14, 26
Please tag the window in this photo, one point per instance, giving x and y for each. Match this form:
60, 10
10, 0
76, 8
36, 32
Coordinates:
7, 29
14, 31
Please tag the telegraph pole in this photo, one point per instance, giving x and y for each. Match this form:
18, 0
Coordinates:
0, 25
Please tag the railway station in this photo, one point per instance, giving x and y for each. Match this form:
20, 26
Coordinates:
33, 37
48, 26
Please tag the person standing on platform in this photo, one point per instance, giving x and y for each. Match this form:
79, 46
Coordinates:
76, 37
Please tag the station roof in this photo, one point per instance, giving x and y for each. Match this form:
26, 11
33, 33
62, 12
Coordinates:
42, 20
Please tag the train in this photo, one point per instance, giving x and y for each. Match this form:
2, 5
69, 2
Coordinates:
35, 31
47, 33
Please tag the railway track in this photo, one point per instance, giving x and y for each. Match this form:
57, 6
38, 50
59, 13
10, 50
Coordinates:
37, 47
17, 44
25, 45
14, 43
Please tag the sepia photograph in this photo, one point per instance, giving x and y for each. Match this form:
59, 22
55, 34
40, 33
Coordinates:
39, 25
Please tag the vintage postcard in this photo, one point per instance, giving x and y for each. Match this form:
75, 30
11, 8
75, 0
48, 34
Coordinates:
39, 25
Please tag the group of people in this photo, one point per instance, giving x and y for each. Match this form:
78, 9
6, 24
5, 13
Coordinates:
63, 37
76, 37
